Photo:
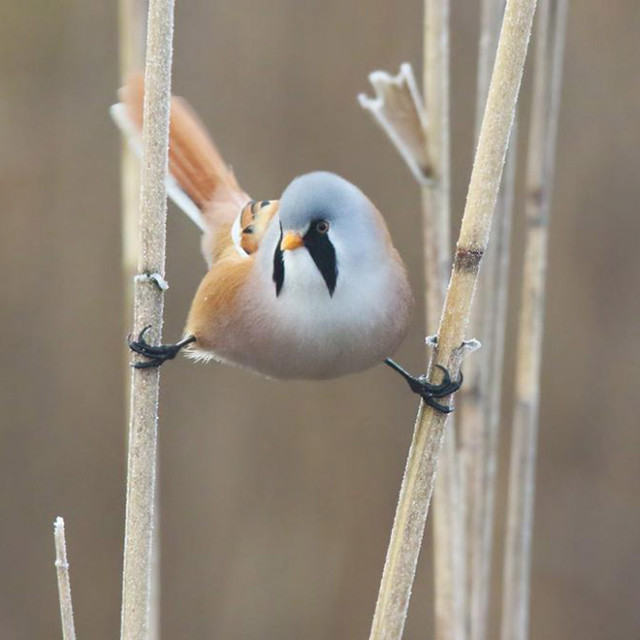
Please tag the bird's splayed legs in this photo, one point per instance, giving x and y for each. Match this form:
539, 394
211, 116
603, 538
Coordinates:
425, 389
157, 354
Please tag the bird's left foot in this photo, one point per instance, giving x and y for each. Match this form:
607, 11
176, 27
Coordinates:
158, 354
427, 391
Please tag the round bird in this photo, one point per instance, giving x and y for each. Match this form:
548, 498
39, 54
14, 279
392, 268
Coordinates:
306, 287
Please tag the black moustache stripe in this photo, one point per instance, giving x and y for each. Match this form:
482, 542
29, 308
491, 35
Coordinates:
278, 265
323, 253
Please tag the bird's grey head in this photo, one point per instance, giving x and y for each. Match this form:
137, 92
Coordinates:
332, 219
320, 195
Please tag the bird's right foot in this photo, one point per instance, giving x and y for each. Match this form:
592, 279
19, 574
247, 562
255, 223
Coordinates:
156, 354
427, 391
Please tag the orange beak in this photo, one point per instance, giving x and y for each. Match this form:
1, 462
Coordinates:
291, 241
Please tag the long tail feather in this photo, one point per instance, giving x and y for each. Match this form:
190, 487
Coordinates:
203, 185
178, 196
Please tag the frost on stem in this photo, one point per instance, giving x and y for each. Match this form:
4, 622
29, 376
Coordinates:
397, 108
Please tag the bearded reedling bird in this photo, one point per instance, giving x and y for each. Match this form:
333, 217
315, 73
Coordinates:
309, 286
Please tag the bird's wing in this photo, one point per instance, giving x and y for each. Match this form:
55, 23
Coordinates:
200, 181
251, 225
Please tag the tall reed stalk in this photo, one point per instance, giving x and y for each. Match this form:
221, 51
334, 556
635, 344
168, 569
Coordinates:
449, 583
483, 480
131, 23
419, 477
550, 36
480, 398
420, 132
148, 310
132, 27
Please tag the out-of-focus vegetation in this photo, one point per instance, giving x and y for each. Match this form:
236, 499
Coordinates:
277, 498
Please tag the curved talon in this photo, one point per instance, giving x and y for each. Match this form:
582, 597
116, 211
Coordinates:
437, 389
149, 364
427, 391
158, 354
444, 388
446, 376
443, 408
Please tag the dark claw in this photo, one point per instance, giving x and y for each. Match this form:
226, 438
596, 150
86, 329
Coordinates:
436, 405
149, 364
158, 354
140, 336
437, 390
426, 390
446, 376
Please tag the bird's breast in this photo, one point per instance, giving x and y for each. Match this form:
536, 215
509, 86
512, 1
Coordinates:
306, 331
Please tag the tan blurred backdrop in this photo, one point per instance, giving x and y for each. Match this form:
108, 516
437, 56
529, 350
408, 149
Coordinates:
277, 499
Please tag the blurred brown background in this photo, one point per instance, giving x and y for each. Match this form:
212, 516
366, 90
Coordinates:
277, 499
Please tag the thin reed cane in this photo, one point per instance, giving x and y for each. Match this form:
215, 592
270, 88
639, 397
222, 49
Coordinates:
480, 399
449, 583
64, 581
483, 491
418, 481
148, 308
132, 27
421, 135
550, 37
131, 48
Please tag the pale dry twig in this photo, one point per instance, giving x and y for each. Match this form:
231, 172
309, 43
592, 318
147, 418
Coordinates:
64, 581
422, 136
550, 37
449, 583
480, 398
418, 481
148, 307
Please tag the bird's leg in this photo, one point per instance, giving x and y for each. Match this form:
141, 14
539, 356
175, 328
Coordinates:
425, 389
158, 354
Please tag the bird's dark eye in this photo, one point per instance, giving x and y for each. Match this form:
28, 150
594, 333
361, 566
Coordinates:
322, 226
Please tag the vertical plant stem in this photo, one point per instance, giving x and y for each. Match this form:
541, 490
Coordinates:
540, 163
480, 398
483, 481
64, 581
436, 205
436, 193
132, 24
148, 308
470, 397
131, 28
418, 481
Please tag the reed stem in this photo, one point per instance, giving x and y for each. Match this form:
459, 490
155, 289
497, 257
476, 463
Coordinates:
481, 397
148, 310
449, 555
419, 477
551, 27
64, 581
